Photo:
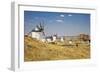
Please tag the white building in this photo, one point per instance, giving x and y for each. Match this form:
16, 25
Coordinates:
36, 35
54, 38
62, 39
51, 38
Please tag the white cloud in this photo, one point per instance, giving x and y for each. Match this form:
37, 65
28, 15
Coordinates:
61, 15
69, 14
59, 20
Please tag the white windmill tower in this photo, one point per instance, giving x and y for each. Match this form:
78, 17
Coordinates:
38, 32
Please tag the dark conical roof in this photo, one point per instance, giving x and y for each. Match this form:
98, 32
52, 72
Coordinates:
35, 30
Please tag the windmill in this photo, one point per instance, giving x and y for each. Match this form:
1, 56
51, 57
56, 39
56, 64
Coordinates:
38, 31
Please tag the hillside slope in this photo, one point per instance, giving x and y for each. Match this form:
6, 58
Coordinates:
35, 50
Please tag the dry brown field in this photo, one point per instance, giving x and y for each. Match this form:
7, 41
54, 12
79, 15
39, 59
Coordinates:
35, 50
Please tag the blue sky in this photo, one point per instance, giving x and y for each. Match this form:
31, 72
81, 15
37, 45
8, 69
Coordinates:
63, 24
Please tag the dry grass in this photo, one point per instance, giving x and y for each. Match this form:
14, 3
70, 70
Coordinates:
37, 51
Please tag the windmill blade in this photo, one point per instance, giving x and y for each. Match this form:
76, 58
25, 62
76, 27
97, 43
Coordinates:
41, 25
38, 26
